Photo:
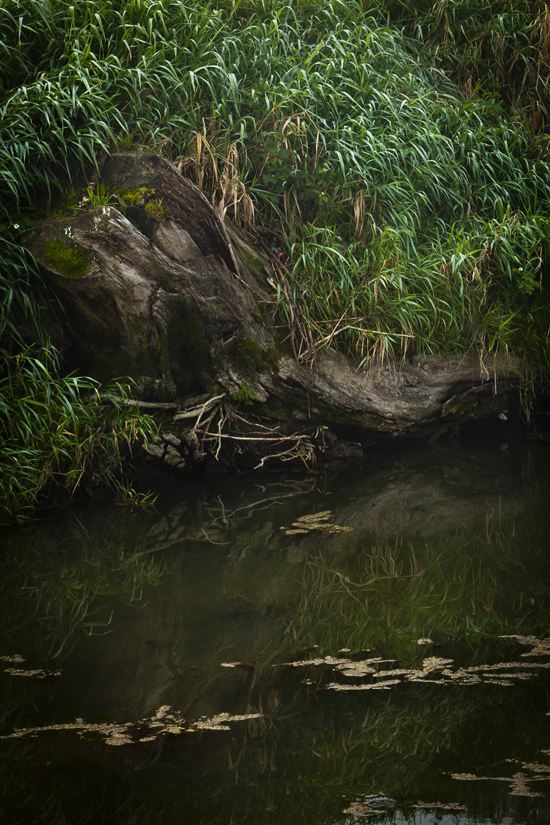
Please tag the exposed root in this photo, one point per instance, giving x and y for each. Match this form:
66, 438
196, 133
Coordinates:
216, 429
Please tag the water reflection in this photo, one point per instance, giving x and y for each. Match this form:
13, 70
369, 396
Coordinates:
205, 652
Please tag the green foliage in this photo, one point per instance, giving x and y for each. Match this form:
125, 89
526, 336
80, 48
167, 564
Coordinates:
57, 434
499, 50
243, 396
397, 153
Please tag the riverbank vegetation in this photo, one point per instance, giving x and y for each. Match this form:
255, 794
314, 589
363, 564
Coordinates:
396, 155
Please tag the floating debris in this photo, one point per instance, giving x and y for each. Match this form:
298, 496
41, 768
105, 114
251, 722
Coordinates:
369, 804
219, 721
439, 806
314, 521
435, 663
244, 665
537, 767
461, 677
356, 669
508, 666
432, 664
16, 658
164, 721
425, 642
118, 738
519, 786
510, 675
381, 674
338, 663
110, 731
37, 674
313, 518
540, 647
504, 674
364, 667
435, 670
326, 660
469, 776
518, 782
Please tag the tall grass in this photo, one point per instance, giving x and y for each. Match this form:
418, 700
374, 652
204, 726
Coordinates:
498, 49
57, 435
395, 153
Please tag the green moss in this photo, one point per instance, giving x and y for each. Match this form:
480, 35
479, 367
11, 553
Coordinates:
105, 363
286, 405
137, 326
256, 261
245, 354
134, 197
69, 261
156, 208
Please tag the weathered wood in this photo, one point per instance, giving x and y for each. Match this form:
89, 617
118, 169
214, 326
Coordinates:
157, 287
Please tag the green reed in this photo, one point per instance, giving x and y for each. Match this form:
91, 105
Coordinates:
58, 435
395, 153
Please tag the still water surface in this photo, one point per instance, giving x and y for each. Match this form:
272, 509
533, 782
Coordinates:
367, 645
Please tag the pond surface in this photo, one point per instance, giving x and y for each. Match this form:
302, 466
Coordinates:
367, 645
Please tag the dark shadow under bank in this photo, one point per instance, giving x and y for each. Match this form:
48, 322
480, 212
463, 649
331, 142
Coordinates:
326, 449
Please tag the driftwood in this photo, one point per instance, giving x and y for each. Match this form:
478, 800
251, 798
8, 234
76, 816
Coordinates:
156, 287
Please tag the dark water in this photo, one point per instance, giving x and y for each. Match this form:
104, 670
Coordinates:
394, 671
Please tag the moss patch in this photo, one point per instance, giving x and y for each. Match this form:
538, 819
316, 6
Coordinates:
156, 208
137, 326
69, 261
245, 354
135, 197
105, 363
255, 261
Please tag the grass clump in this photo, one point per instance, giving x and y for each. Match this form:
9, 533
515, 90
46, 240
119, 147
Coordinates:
58, 435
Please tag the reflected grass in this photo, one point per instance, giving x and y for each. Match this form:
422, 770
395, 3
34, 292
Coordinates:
53, 591
314, 751
387, 597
